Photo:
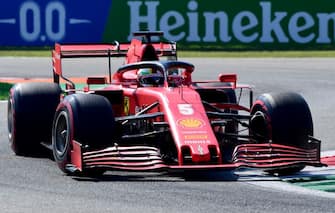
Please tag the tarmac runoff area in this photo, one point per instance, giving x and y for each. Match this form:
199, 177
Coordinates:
320, 180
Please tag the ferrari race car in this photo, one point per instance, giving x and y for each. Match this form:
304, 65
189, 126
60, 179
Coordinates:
149, 115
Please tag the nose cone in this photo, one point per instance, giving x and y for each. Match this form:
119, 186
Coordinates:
200, 153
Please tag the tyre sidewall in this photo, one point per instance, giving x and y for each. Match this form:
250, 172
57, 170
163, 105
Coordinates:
90, 122
63, 157
288, 118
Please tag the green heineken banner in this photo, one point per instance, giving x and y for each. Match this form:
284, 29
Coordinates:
223, 24
251, 24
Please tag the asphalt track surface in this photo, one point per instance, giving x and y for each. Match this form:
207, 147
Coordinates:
37, 185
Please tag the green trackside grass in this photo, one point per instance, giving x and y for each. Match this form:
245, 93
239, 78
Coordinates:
213, 54
25, 53
4, 90
258, 54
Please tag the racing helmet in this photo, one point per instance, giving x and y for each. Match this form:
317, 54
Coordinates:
147, 78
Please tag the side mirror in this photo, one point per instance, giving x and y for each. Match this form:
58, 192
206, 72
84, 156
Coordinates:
228, 78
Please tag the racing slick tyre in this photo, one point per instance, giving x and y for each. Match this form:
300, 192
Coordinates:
30, 111
85, 118
284, 118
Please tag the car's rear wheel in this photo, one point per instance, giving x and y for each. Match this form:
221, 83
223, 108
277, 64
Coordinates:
85, 118
30, 112
283, 118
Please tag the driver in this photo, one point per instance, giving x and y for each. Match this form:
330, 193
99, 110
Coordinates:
146, 77
174, 79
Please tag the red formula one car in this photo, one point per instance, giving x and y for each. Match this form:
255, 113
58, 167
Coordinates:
150, 115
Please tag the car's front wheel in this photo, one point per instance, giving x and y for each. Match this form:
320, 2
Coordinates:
61, 139
85, 118
283, 118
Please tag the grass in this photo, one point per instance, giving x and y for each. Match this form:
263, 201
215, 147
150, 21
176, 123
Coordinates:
258, 54
4, 90
200, 54
25, 53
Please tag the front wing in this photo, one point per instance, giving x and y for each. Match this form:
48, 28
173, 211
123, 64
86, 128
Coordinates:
146, 158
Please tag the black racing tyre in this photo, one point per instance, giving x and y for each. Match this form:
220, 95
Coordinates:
85, 118
30, 112
283, 118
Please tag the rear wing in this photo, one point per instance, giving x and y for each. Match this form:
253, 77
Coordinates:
90, 50
127, 50
84, 50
